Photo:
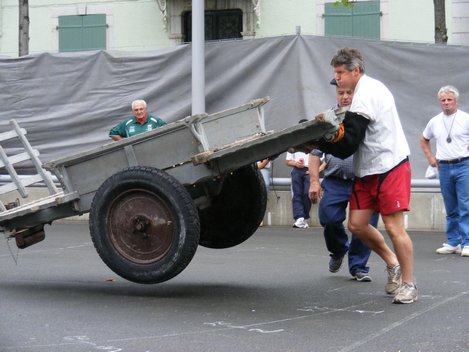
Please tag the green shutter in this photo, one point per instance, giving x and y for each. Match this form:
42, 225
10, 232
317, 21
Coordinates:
70, 28
362, 20
81, 33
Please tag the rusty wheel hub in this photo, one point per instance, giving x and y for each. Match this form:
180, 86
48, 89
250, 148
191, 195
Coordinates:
141, 226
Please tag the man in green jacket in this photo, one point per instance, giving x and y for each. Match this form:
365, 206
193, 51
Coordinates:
138, 123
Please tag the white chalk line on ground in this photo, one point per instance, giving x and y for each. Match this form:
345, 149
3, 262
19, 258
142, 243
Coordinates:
397, 324
255, 327
218, 326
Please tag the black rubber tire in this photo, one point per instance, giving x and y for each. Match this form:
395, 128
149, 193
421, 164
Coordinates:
144, 225
234, 214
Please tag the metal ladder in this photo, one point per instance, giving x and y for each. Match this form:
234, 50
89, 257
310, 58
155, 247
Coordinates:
20, 183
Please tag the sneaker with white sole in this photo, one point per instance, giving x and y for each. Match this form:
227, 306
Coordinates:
299, 223
406, 293
361, 277
449, 249
394, 279
465, 251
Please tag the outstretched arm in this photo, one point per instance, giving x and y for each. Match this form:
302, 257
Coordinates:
349, 136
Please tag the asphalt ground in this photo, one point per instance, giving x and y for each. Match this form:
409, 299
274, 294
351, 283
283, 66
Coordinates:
271, 293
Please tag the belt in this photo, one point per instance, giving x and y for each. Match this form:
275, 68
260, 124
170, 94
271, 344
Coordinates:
453, 161
339, 178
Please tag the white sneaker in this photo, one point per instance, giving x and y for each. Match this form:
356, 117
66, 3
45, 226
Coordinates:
406, 294
465, 251
299, 223
448, 249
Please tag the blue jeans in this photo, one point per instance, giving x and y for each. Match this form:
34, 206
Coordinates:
301, 203
454, 184
332, 213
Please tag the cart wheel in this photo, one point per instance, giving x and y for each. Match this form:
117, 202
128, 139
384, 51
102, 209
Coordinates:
144, 225
235, 214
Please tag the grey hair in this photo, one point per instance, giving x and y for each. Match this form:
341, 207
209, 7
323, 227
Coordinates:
350, 58
139, 101
449, 89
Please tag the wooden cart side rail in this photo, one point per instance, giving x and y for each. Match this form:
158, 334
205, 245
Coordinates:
39, 204
211, 154
255, 103
113, 145
200, 121
268, 144
218, 129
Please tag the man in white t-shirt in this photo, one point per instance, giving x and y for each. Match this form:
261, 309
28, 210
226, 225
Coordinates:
301, 204
372, 132
450, 129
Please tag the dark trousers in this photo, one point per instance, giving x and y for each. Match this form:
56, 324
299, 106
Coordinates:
332, 214
301, 203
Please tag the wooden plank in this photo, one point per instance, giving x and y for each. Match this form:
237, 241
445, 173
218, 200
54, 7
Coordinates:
39, 204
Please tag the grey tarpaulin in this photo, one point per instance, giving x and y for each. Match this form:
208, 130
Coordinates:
69, 101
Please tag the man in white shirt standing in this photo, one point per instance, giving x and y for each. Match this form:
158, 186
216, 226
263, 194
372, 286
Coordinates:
301, 204
371, 130
450, 129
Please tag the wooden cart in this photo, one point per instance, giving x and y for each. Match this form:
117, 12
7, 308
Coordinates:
153, 198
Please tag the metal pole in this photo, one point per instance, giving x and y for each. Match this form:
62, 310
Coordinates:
432, 184
198, 57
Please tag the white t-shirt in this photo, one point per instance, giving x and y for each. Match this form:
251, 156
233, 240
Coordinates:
385, 144
439, 127
267, 166
297, 156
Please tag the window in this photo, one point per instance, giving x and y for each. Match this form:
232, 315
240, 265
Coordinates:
219, 24
362, 20
81, 33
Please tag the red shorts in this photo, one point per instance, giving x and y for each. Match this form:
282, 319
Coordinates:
387, 193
